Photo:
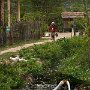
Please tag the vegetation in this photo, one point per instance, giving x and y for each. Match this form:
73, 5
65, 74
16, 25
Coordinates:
63, 59
17, 75
36, 15
52, 62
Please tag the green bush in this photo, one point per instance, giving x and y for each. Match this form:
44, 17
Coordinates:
77, 64
63, 59
67, 57
11, 75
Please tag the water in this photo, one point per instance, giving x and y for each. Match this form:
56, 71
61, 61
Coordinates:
40, 87
43, 87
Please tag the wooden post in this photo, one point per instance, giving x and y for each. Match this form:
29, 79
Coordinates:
18, 19
8, 9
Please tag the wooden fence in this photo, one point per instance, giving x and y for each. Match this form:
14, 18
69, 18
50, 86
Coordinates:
21, 31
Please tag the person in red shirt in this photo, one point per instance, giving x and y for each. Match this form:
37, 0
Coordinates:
52, 28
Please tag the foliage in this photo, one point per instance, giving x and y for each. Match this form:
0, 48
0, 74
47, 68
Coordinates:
81, 24
77, 64
67, 57
11, 75
32, 16
63, 59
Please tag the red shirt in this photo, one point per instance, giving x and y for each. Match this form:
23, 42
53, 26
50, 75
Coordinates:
52, 28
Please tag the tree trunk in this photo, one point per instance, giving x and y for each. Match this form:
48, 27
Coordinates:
8, 9
0, 24
86, 11
88, 26
3, 33
87, 17
2, 10
9, 23
18, 19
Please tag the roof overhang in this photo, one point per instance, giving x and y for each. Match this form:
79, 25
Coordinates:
66, 15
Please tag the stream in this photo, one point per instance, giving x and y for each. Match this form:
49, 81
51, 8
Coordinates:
42, 87
51, 87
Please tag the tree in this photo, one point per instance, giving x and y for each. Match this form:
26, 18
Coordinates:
8, 10
18, 10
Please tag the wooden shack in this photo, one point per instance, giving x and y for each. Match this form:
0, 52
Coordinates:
68, 17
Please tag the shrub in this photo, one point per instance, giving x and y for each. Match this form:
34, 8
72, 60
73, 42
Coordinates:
11, 74
65, 57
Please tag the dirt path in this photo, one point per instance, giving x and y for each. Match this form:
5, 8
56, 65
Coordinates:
23, 46
60, 35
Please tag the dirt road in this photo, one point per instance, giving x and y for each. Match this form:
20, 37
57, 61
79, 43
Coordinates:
23, 46
60, 35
